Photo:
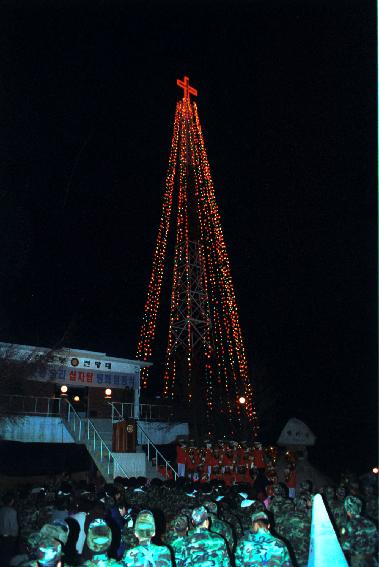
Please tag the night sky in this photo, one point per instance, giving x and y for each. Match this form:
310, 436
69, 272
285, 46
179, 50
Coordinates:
287, 104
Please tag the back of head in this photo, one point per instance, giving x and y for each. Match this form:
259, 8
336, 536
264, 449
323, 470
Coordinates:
180, 523
99, 536
353, 505
211, 506
144, 526
199, 515
260, 518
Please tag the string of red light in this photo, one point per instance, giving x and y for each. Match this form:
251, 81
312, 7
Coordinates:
226, 369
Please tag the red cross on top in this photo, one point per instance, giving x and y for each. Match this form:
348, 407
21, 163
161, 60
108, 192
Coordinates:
186, 88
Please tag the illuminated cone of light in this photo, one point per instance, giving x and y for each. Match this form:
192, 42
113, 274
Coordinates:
324, 546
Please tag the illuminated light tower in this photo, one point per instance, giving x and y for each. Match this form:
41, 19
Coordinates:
205, 366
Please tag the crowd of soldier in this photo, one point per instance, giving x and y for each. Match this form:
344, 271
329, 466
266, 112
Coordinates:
164, 524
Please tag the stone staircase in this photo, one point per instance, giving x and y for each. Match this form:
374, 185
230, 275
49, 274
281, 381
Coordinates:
82, 431
96, 435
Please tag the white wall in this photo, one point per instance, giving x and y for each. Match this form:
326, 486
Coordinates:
35, 429
161, 432
39, 429
133, 463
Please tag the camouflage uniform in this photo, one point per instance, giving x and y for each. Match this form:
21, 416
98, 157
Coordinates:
261, 548
175, 538
360, 535
205, 548
279, 503
99, 539
256, 506
177, 524
219, 526
146, 553
337, 508
371, 504
179, 547
282, 515
297, 531
234, 522
223, 529
129, 538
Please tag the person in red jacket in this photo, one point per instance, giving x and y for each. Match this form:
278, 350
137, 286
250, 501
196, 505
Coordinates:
208, 459
258, 456
181, 458
191, 461
290, 473
227, 465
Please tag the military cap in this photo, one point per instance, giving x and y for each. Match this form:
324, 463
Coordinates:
353, 505
99, 536
49, 552
58, 529
144, 526
211, 506
180, 523
199, 515
259, 516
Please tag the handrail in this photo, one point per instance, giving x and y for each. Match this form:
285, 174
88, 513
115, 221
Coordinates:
51, 406
91, 436
149, 443
145, 411
157, 452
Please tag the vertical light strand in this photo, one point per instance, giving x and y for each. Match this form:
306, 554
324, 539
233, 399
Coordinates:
225, 275
147, 333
